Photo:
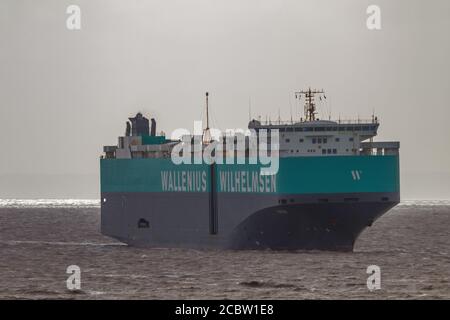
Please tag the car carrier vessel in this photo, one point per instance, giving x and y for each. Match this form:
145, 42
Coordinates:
333, 181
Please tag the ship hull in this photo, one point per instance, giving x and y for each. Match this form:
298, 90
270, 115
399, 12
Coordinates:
311, 204
244, 222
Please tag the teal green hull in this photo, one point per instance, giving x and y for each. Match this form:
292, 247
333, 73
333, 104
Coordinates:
296, 175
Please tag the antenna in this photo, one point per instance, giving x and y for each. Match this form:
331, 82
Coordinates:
292, 121
206, 132
290, 108
310, 105
329, 107
207, 112
249, 109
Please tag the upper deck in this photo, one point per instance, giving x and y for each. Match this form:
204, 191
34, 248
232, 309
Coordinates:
307, 137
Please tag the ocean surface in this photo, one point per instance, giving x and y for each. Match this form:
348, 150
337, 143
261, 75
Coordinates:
39, 239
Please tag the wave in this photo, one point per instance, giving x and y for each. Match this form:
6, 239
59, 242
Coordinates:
49, 203
59, 243
95, 203
424, 203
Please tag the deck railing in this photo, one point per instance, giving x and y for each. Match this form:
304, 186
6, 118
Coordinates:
380, 148
338, 121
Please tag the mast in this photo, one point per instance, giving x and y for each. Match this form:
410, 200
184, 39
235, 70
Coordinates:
310, 105
206, 132
207, 112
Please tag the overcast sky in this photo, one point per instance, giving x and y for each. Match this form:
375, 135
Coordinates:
64, 94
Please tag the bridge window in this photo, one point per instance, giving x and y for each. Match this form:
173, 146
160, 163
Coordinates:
289, 129
298, 129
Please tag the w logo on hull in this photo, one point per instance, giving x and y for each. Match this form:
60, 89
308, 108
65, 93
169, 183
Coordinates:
356, 174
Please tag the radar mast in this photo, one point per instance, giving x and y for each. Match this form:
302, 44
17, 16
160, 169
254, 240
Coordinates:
310, 105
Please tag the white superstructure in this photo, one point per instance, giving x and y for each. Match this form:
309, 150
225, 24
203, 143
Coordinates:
319, 137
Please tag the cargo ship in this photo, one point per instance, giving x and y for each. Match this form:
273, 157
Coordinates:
332, 181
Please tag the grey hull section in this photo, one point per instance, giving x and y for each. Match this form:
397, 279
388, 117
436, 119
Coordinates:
242, 221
